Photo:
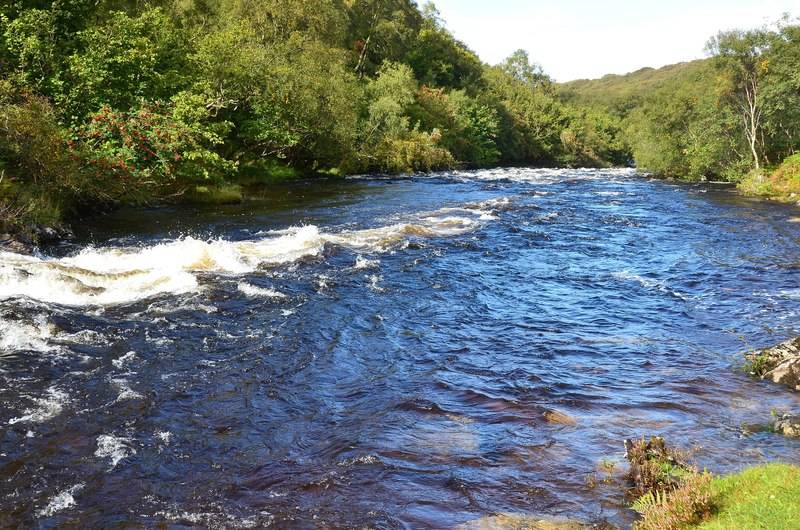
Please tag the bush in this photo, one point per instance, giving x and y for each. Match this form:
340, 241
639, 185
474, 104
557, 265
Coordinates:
39, 170
419, 151
688, 504
782, 184
654, 467
157, 149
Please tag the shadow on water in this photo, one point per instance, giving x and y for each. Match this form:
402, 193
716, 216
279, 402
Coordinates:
397, 353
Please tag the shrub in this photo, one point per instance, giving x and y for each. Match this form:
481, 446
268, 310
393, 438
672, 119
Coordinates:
688, 504
39, 170
654, 467
154, 150
419, 151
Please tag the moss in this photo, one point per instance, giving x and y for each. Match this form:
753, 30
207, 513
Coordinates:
760, 497
264, 171
226, 194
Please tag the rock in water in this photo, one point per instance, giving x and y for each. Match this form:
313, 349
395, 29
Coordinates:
788, 425
560, 418
780, 364
524, 522
786, 373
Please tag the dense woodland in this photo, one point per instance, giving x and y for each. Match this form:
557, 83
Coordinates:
109, 102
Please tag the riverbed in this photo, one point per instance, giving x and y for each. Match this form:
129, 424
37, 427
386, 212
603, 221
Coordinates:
415, 352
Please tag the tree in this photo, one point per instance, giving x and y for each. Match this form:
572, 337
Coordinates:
382, 30
740, 56
439, 60
518, 65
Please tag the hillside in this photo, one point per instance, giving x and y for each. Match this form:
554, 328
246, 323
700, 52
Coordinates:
623, 92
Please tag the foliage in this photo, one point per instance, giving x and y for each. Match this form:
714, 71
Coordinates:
151, 150
123, 62
38, 167
654, 467
724, 118
440, 60
689, 504
417, 151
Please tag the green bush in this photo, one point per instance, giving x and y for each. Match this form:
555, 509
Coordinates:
40, 171
154, 150
417, 151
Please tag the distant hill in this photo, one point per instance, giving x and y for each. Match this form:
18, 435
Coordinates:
623, 92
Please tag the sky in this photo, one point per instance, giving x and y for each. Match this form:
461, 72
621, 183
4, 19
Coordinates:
586, 39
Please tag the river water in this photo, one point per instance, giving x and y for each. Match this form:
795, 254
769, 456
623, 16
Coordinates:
390, 353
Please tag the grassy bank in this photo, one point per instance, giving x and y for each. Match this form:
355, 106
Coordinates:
780, 184
762, 497
766, 496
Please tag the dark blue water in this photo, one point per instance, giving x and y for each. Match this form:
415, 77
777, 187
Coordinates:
398, 359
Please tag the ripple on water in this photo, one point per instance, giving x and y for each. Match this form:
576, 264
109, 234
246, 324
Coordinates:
449, 349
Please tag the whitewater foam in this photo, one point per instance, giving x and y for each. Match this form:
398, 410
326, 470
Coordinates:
120, 275
259, 292
62, 501
47, 407
114, 448
32, 335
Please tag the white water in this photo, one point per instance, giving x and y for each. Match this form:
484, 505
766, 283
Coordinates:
62, 501
114, 448
47, 407
120, 275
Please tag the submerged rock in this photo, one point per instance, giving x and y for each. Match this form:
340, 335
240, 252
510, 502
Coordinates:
779, 364
559, 418
788, 425
510, 521
15, 244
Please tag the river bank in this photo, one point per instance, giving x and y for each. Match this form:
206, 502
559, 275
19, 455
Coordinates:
26, 238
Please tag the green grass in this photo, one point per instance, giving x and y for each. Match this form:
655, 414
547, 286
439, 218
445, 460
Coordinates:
225, 194
764, 497
264, 171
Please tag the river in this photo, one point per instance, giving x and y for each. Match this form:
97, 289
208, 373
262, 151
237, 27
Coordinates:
411, 352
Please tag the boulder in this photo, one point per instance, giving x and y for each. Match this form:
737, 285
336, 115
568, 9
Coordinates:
788, 425
779, 364
786, 373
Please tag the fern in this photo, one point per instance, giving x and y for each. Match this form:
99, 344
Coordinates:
649, 501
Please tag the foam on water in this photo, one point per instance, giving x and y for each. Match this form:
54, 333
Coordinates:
259, 292
647, 283
122, 361
364, 263
32, 335
62, 501
47, 407
119, 275
114, 448
543, 175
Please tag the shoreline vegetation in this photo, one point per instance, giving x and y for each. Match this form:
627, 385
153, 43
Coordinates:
671, 494
121, 102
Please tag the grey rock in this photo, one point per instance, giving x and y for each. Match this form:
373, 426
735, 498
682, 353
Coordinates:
779, 364
788, 425
786, 373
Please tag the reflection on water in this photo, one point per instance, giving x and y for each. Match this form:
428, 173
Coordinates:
436, 351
